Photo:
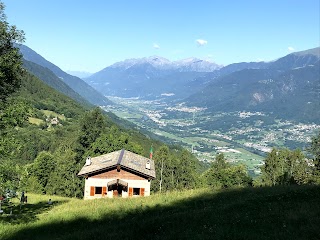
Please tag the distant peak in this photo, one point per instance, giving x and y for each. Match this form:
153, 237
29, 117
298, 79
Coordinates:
192, 63
313, 51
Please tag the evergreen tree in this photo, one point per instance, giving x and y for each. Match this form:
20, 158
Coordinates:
42, 167
186, 171
91, 126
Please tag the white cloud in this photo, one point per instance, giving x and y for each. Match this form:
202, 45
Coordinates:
291, 49
201, 42
156, 46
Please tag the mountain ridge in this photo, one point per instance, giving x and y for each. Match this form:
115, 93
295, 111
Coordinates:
77, 84
53, 81
163, 63
288, 87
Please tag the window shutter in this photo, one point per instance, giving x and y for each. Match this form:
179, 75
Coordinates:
130, 192
141, 191
104, 190
91, 191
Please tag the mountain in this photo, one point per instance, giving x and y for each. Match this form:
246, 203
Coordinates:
79, 74
288, 87
77, 84
53, 81
40, 96
150, 77
195, 65
297, 59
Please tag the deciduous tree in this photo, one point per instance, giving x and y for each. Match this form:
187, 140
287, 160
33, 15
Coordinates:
10, 58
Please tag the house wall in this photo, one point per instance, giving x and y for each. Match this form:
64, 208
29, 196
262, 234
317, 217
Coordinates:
102, 179
122, 174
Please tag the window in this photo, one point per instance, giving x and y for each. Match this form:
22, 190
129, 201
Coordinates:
136, 191
98, 190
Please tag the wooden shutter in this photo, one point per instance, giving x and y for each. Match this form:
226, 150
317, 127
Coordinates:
130, 192
104, 191
91, 191
141, 191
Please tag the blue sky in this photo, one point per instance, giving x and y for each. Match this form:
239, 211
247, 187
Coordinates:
90, 35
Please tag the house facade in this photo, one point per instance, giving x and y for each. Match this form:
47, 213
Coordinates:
117, 174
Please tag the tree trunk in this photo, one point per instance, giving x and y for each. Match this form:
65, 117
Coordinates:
161, 174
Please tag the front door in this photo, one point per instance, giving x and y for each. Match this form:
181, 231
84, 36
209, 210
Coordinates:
117, 190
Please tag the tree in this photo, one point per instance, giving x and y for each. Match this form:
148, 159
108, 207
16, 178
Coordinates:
15, 113
283, 167
64, 180
91, 126
220, 162
10, 78
10, 58
10, 175
223, 175
161, 157
186, 174
273, 167
42, 167
314, 150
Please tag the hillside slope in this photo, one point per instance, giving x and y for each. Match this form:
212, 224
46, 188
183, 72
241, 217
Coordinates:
77, 84
53, 81
253, 213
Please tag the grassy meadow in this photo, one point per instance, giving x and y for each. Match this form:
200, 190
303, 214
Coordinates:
252, 213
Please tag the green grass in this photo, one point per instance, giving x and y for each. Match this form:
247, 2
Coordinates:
36, 121
256, 213
54, 114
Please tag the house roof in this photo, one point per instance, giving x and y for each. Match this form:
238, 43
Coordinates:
123, 158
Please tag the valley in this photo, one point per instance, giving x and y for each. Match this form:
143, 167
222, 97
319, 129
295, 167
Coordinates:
244, 137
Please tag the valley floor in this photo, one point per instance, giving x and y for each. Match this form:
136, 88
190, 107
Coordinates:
252, 213
244, 137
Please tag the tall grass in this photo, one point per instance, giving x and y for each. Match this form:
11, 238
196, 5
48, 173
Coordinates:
260, 213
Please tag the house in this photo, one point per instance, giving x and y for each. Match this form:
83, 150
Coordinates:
117, 174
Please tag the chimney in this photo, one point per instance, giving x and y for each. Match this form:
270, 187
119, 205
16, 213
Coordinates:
148, 165
88, 161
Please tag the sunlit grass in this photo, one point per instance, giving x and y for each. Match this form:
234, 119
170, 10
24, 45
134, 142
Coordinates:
54, 114
36, 121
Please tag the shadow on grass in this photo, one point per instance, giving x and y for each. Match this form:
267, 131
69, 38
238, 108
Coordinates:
24, 213
256, 213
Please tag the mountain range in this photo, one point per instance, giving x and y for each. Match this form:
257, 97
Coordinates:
150, 77
287, 87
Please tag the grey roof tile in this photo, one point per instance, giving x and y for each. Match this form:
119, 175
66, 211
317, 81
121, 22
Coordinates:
123, 158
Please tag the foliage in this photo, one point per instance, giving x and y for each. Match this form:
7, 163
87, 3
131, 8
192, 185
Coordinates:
15, 113
42, 167
10, 59
9, 177
283, 167
314, 150
174, 170
223, 175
